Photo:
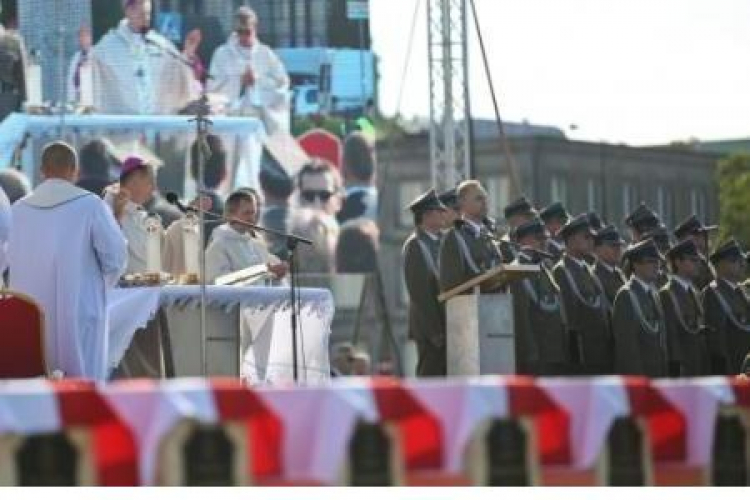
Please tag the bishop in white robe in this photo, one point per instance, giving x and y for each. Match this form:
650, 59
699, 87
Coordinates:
67, 254
137, 71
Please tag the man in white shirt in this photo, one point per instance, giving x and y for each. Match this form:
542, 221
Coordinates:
235, 246
67, 255
137, 71
250, 75
126, 200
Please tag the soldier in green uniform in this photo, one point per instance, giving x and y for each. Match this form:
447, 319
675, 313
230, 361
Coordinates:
542, 344
608, 245
727, 310
468, 248
641, 221
584, 301
426, 314
638, 317
683, 312
515, 213
554, 217
661, 238
449, 199
692, 228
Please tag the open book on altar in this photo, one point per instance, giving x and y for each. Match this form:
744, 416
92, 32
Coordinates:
493, 280
247, 276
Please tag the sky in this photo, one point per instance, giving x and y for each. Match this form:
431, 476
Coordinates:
622, 71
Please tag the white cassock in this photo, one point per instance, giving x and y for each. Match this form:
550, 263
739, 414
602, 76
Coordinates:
133, 225
231, 251
133, 77
268, 99
69, 253
5, 222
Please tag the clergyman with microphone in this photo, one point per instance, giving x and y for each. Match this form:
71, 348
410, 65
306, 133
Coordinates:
137, 71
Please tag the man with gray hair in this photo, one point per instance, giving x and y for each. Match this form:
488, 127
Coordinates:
250, 75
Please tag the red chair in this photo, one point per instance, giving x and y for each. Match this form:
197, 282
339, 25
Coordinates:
22, 353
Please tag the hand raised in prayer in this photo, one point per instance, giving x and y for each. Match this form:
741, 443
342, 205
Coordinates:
279, 270
248, 78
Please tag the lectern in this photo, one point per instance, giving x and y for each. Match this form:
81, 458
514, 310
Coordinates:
480, 331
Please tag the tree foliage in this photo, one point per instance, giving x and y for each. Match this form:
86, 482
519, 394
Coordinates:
734, 197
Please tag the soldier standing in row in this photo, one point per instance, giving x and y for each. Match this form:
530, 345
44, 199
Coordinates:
583, 300
516, 213
554, 217
683, 313
421, 273
608, 245
638, 318
468, 248
542, 344
692, 228
641, 221
660, 235
727, 311
449, 199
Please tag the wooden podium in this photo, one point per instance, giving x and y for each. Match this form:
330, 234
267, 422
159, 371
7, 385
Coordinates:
480, 330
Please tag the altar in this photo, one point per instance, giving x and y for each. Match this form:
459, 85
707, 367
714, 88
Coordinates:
248, 332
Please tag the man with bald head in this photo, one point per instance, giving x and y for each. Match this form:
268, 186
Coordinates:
66, 252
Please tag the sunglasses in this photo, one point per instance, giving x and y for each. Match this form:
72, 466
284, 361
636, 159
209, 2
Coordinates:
243, 32
310, 196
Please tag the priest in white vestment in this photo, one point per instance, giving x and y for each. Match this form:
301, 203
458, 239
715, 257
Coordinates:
250, 75
234, 246
4, 231
126, 199
66, 254
136, 71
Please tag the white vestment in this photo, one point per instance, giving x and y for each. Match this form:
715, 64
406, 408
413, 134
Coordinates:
231, 251
133, 226
268, 98
134, 77
5, 222
69, 252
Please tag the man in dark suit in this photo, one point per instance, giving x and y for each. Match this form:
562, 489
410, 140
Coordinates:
554, 217
516, 213
426, 314
638, 317
584, 301
683, 313
469, 248
608, 245
727, 310
542, 344
692, 228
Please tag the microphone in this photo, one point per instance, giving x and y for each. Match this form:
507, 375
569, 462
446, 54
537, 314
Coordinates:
174, 199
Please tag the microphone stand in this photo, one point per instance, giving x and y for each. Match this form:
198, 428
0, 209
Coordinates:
292, 242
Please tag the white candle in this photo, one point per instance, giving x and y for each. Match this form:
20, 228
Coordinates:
153, 244
86, 88
190, 241
34, 85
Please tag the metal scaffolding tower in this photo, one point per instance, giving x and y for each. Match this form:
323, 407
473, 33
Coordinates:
449, 95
